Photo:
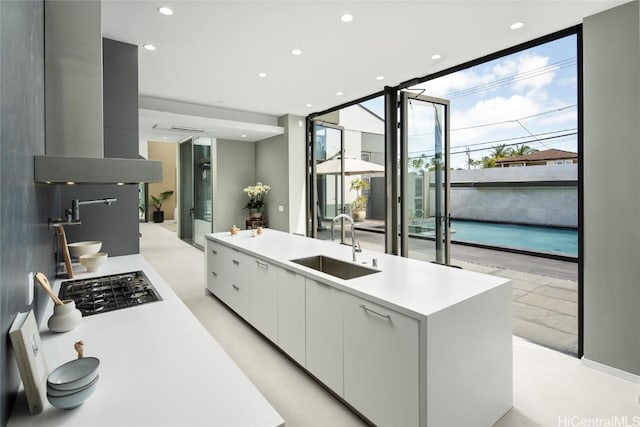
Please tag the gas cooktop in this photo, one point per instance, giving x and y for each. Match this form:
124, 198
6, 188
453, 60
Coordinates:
109, 293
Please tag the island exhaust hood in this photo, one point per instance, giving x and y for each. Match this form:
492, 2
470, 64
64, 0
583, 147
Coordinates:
74, 143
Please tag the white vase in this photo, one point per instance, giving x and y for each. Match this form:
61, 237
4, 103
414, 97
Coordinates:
65, 317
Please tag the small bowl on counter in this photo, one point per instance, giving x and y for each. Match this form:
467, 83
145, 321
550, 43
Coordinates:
78, 249
94, 262
71, 399
74, 375
71, 383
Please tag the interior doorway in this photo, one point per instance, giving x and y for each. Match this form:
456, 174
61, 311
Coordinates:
196, 201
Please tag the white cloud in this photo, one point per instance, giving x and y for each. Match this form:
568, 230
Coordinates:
533, 73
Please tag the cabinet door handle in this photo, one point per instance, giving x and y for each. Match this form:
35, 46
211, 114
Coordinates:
262, 264
235, 287
214, 274
236, 262
214, 251
367, 309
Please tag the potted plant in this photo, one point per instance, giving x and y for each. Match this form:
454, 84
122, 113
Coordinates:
359, 205
256, 194
158, 214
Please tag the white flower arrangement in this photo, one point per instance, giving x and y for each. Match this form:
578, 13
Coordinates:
256, 195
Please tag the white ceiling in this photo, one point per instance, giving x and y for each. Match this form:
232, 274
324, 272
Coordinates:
209, 53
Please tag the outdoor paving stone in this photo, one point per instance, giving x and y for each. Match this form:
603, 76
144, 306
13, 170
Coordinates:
547, 318
558, 340
523, 285
555, 304
569, 285
533, 278
475, 267
517, 293
563, 294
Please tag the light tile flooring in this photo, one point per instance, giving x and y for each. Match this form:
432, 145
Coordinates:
550, 388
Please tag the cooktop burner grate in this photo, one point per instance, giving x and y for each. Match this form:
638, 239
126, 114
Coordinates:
108, 293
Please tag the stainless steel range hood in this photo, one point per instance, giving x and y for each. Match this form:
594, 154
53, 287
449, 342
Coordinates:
74, 150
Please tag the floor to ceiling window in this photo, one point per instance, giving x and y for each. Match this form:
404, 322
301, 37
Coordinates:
508, 180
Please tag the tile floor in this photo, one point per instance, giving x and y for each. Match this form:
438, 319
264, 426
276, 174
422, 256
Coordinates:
550, 388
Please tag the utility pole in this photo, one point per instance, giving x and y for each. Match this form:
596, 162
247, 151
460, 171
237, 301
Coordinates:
468, 158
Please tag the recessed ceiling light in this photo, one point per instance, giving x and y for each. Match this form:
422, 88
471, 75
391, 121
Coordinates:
121, 183
436, 56
149, 46
165, 11
70, 182
296, 52
339, 93
262, 74
347, 17
309, 105
243, 136
517, 25
380, 78
164, 137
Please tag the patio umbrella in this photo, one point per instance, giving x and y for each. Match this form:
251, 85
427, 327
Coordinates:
352, 166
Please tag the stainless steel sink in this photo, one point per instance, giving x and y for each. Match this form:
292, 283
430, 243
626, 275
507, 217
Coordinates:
335, 267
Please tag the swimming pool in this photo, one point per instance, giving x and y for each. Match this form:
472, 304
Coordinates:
523, 237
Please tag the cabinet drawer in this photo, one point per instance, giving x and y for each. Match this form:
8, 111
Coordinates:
215, 257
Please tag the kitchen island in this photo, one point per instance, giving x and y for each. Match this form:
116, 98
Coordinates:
408, 344
159, 367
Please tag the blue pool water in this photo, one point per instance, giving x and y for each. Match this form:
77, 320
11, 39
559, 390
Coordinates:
524, 237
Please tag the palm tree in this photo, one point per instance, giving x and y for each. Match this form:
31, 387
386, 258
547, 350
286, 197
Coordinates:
500, 151
521, 150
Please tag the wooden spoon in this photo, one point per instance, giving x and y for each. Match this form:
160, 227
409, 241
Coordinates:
44, 282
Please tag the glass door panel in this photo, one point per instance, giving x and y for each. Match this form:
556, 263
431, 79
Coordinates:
424, 180
330, 178
202, 191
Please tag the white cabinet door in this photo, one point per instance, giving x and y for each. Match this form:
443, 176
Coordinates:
214, 267
264, 299
237, 271
291, 314
324, 333
381, 363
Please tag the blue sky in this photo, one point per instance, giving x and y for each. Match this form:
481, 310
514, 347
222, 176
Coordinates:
506, 101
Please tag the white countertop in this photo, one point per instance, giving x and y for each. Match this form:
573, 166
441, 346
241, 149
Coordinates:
159, 367
411, 286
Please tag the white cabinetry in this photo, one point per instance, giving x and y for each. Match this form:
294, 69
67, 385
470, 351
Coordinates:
291, 314
214, 268
324, 333
264, 298
237, 271
381, 363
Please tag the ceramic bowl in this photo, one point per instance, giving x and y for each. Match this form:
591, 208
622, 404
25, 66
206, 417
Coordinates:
59, 393
73, 375
94, 262
84, 248
74, 399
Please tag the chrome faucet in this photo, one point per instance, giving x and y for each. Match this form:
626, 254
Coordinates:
354, 248
74, 213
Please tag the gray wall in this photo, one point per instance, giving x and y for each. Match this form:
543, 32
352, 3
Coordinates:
541, 205
611, 190
26, 245
272, 156
235, 170
117, 225
280, 163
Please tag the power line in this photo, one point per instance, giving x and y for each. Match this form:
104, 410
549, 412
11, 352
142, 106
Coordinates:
515, 120
567, 132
